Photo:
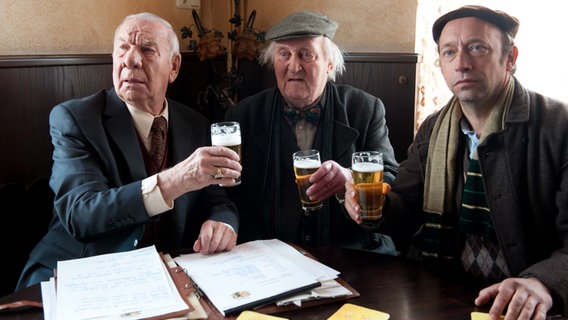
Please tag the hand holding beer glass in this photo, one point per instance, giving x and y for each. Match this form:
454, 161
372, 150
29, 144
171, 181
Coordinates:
368, 174
305, 163
227, 134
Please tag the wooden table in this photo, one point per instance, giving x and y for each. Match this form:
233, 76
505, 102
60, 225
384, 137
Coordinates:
402, 288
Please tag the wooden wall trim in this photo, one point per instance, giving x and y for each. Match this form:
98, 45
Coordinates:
54, 60
382, 57
32, 85
90, 59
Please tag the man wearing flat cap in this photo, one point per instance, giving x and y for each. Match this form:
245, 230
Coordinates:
484, 189
306, 110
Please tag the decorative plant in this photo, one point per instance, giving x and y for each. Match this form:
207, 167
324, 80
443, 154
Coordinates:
244, 42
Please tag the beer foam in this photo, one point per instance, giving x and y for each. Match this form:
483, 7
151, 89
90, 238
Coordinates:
367, 167
306, 164
226, 140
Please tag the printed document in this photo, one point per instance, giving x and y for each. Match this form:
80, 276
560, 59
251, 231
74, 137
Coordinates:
253, 274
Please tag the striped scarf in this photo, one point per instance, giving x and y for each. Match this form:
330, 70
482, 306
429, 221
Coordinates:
440, 233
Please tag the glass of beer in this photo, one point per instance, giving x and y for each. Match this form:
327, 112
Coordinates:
306, 162
368, 173
227, 134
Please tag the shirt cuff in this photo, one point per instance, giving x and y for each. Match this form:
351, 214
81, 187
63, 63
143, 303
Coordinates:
152, 197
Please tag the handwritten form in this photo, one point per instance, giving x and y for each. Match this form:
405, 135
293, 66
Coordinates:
125, 285
253, 271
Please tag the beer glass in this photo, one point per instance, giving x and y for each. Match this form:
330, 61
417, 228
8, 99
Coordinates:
227, 134
305, 163
368, 173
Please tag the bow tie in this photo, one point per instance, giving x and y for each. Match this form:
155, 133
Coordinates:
294, 115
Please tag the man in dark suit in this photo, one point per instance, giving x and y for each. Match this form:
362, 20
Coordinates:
110, 195
306, 61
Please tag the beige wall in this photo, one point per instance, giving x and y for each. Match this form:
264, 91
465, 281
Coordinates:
35, 27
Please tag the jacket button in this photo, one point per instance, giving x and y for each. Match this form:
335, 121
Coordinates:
135, 243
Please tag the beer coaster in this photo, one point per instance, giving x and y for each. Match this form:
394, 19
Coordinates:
354, 312
481, 316
251, 315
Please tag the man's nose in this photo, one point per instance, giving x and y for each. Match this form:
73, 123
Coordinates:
133, 59
295, 63
462, 61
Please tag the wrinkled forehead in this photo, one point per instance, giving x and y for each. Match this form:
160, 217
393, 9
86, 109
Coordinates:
310, 43
141, 31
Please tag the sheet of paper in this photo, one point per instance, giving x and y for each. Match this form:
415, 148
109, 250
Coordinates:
481, 316
253, 271
128, 285
318, 269
351, 311
48, 299
252, 315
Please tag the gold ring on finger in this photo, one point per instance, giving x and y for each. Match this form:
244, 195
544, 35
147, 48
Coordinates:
218, 174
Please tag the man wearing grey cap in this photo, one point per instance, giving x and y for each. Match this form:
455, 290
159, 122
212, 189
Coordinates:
485, 187
339, 120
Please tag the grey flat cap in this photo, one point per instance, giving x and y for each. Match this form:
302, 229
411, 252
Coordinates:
301, 25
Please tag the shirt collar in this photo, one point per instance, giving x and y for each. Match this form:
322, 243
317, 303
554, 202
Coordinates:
143, 120
472, 138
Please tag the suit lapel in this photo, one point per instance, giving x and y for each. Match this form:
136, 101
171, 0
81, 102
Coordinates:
180, 135
118, 124
344, 138
288, 145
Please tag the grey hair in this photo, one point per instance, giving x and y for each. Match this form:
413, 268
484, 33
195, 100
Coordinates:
147, 16
333, 53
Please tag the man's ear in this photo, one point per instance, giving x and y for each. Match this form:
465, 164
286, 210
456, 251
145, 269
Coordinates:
176, 64
512, 58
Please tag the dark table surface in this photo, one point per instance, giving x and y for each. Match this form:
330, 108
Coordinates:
402, 288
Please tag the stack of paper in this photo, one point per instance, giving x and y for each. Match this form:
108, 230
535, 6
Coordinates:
254, 274
125, 285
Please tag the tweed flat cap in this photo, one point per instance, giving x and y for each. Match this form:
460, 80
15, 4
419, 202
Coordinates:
301, 25
499, 18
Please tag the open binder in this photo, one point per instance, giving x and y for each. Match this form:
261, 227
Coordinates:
269, 306
186, 289
199, 306
206, 310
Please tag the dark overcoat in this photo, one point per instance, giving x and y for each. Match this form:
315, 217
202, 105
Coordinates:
525, 175
267, 198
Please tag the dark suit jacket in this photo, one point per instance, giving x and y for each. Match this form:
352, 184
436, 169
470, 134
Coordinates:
268, 199
96, 176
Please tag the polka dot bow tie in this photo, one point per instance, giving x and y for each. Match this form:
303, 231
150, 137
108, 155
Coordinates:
294, 115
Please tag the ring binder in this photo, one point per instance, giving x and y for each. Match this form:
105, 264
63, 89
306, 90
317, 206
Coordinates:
270, 307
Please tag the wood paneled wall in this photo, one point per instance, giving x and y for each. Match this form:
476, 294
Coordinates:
32, 85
